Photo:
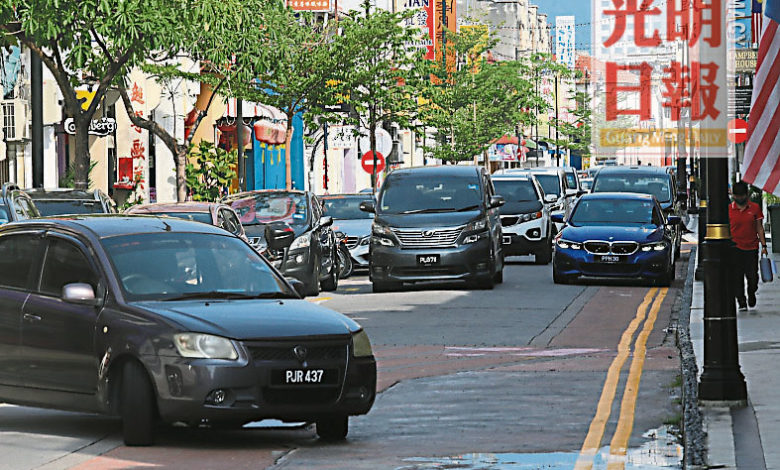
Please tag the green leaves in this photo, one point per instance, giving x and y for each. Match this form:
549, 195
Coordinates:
209, 177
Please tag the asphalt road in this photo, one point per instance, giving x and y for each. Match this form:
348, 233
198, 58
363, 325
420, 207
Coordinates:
528, 375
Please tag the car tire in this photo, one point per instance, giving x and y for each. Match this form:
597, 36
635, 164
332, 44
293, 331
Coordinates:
544, 256
666, 279
346, 265
559, 279
331, 283
313, 286
332, 429
138, 406
485, 282
498, 278
379, 287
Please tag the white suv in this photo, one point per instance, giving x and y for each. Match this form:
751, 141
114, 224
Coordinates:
525, 218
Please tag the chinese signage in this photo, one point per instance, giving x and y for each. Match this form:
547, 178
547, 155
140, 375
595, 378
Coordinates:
445, 21
101, 127
422, 19
565, 48
310, 5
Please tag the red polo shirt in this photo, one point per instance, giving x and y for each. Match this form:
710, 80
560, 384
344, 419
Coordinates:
743, 225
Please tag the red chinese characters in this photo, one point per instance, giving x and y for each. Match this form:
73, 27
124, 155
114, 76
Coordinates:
691, 87
678, 21
645, 76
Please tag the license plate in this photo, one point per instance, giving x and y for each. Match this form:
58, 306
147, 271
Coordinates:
428, 260
506, 240
610, 259
303, 376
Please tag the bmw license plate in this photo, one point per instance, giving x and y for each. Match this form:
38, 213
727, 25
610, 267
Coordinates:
610, 259
428, 260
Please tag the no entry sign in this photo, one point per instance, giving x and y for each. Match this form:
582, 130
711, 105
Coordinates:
737, 131
367, 161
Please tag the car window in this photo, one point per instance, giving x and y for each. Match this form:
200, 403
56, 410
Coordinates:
410, 192
203, 217
571, 180
232, 221
612, 211
19, 259
516, 190
65, 264
76, 206
657, 185
263, 208
658, 219
550, 183
346, 208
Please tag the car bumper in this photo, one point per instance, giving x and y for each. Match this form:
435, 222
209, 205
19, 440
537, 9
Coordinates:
186, 391
298, 265
525, 238
640, 265
393, 264
360, 256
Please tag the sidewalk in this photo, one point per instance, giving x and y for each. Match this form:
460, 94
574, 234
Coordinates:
746, 437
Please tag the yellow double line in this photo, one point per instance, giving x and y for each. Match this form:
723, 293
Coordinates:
619, 443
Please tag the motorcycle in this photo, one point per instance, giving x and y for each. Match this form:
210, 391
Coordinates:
346, 267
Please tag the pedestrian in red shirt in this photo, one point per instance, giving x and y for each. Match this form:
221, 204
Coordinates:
747, 231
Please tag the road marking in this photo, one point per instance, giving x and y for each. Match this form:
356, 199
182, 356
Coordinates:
352, 289
604, 408
619, 444
319, 300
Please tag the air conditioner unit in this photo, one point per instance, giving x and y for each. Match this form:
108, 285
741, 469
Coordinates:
15, 125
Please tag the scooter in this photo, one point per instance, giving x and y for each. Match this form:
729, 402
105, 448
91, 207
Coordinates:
346, 267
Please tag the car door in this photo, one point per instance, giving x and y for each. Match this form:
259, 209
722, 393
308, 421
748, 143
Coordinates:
57, 342
494, 214
20, 257
323, 236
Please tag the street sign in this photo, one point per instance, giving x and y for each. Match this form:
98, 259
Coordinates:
737, 131
367, 161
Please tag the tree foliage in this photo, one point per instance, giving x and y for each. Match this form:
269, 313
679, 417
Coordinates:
210, 172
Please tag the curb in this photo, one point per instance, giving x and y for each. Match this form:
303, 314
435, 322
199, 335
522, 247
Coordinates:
694, 437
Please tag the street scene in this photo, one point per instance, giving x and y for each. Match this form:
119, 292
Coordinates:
389, 234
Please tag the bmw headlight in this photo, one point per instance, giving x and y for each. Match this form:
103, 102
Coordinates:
301, 242
361, 345
658, 246
476, 226
566, 244
197, 345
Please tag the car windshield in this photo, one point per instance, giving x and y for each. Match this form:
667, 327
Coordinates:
406, 193
345, 208
571, 179
586, 183
612, 211
75, 206
550, 184
204, 217
271, 207
516, 190
169, 266
657, 185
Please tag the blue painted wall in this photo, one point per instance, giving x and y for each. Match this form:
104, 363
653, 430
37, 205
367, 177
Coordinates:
268, 169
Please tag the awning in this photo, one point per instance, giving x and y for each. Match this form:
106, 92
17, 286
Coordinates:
271, 123
507, 140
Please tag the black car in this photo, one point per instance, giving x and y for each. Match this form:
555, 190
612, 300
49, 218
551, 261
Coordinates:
646, 180
15, 205
313, 256
61, 201
436, 223
162, 319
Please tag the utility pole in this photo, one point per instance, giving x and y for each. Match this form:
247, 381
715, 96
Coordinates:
557, 142
240, 144
36, 98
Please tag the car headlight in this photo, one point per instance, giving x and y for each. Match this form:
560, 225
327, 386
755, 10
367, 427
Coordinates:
476, 226
201, 346
530, 217
301, 242
381, 230
658, 246
361, 345
566, 244
365, 241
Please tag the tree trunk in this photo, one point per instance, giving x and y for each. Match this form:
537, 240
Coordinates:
181, 173
287, 151
82, 158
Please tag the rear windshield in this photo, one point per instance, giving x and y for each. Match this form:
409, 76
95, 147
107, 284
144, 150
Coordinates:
50, 208
657, 185
516, 190
571, 180
612, 211
550, 183
204, 217
345, 208
406, 193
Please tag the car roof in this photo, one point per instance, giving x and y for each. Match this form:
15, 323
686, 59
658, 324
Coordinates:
446, 170
547, 170
62, 193
624, 170
111, 225
173, 206
347, 195
513, 177
626, 196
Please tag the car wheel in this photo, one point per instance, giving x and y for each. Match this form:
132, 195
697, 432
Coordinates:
346, 266
333, 428
138, 406
666, 279
485, 282
331, 283
559, 279
313, 286
379, 287
544, 256
498, 278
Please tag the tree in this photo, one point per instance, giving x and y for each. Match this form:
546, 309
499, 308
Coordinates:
210, 175
477, 101
576, 134
94, 43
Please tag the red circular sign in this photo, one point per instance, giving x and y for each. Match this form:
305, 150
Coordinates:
367, 160
737, 131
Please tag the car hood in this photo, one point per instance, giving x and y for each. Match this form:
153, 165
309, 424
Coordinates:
353, 227
520, 207
252, 319
258, 231
437, 219
634, 233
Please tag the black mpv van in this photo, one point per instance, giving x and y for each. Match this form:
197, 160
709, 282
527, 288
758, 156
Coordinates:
436, 223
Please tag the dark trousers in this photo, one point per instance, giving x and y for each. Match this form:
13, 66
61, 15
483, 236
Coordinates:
745, 265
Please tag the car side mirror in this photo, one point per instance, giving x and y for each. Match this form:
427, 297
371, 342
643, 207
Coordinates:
79, 293
557, 218
582, 192
368, 206
550, 198
496, 201
325, 221
300, 287
279, 236
673, 220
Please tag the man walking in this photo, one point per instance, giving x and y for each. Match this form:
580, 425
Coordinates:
747, 231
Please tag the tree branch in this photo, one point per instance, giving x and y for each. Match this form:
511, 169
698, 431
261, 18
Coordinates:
147, 124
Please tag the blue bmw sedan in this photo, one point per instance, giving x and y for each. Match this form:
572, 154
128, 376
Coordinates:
616, 235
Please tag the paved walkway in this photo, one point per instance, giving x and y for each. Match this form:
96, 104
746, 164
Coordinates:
747, 437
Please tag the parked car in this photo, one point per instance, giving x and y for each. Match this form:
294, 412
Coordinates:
572, 177
313, 256
212, 213
616, 235
646, 180
64, 201
164, 319
436, 223
15, 205
354, 223
525, 219
586, 184
559, 196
